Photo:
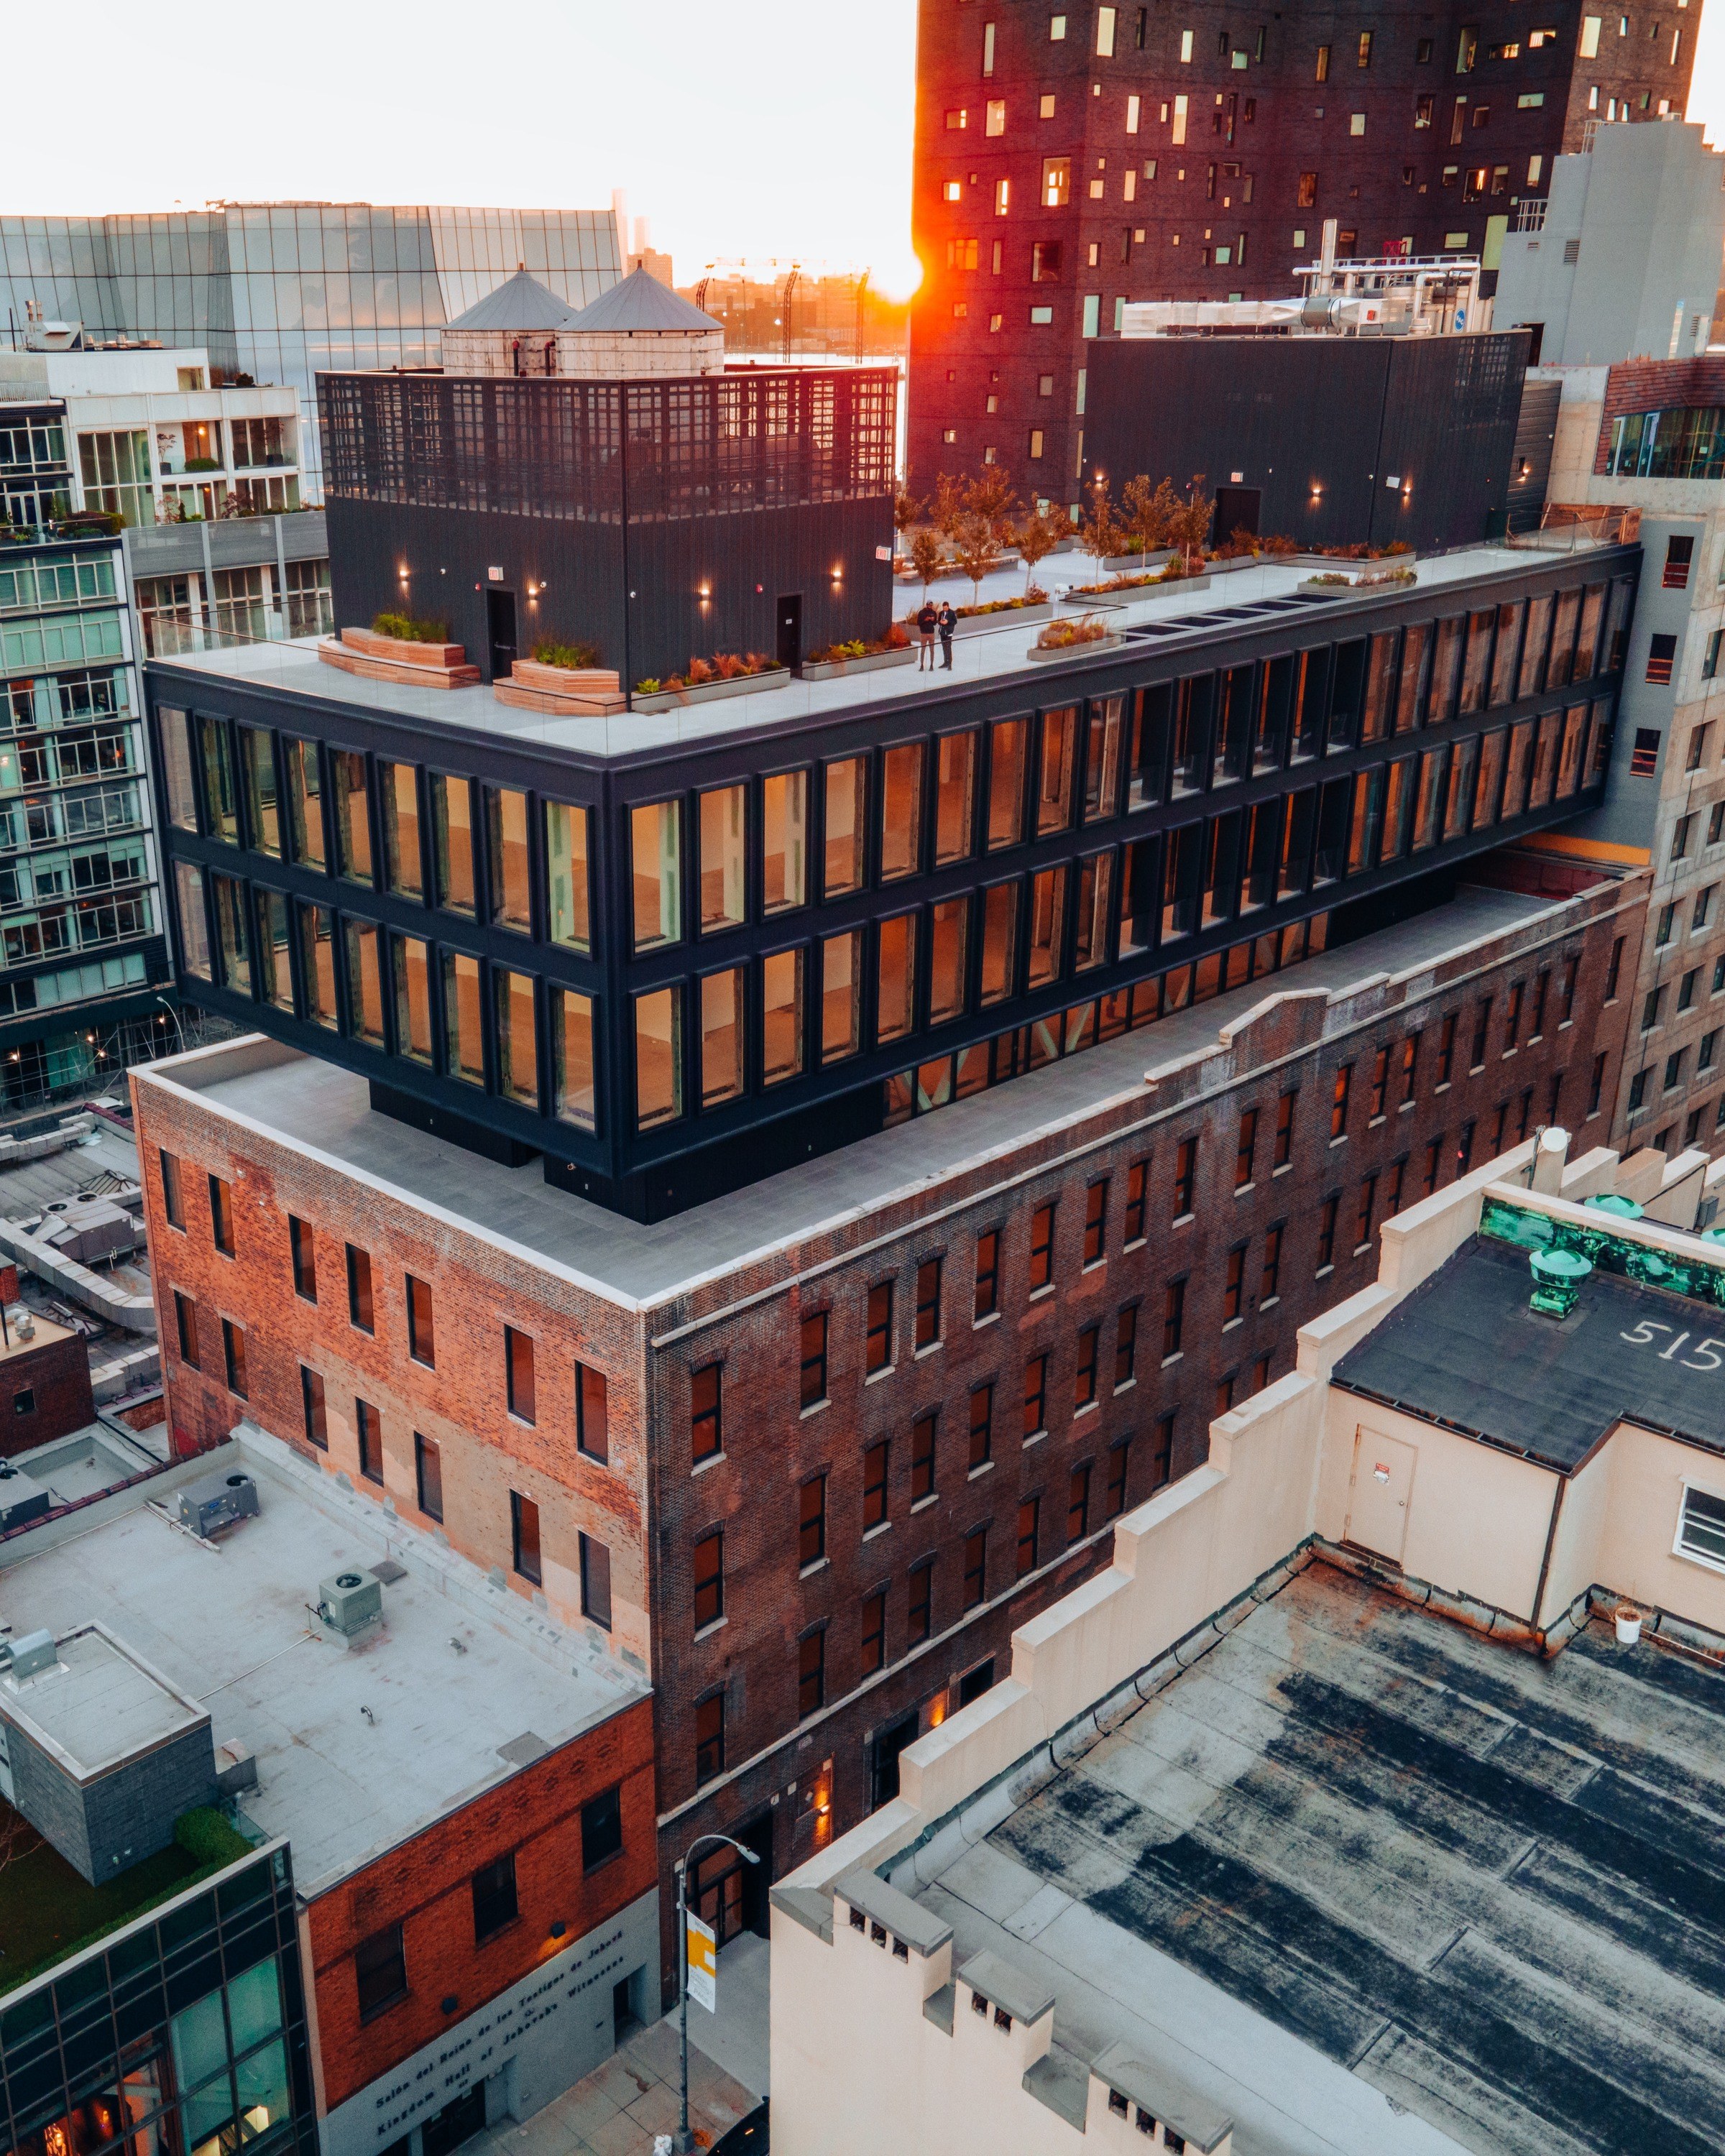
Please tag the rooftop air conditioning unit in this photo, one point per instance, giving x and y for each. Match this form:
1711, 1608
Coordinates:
215, 1502
350, 1602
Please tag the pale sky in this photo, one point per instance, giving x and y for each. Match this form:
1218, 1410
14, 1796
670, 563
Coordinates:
741, 128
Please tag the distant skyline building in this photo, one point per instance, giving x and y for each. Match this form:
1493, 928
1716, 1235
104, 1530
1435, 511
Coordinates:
279, 291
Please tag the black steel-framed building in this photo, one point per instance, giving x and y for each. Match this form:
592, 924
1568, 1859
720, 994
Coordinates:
660, 518
673, 955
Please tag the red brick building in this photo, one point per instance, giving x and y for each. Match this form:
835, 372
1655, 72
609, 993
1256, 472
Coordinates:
44, 1381
1067, 161
811, 1453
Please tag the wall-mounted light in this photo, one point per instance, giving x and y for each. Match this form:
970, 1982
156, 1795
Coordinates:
704, 593
558, 1928
839, 574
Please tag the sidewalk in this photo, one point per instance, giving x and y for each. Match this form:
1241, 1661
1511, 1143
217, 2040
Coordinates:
632, 2099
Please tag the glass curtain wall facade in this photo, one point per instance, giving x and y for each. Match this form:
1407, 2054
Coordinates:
278, 291
182, 2035
79, 920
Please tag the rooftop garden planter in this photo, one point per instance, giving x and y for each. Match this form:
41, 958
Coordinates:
580, 692
1137, 564
413, 660
1335, 584
1074, 639
654, 697
868, 660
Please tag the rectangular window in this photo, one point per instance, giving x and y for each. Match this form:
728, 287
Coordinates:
518, 1368
381, 1970
877, 1342
1338, 1102
723, 859
511, 886
422, 1340
656, 878
368, 1431
708, 1738
721, 1037
524, 1536
173, 1206
601, 1829
846, 803
1700, 1527
1270, 1280
812, 1521
429, 1475
988, 1276
1125, 1347
1245, 1149
1137, 1189
593, 1420
1284, 1153
707, 1573
949, 945
812, 1377
494, 1898
1367, 1203
1084, 1384
976, 1561
412, 966
1095, 1222
1029, 1520
1042, 1228
569, 904
353, 829
464, 1035
659, 1057
234, 1356
517, 1036
928, 1303
359, 1289
920, 1607
901, 812
896, 976
452, 843
572, 1042
1327, 1233
841, 995
595, 1562
705, 1418
1234, 1284
311, 1400
1173, 1318
874, 1485
221, 1215
399, 796
1185, 1177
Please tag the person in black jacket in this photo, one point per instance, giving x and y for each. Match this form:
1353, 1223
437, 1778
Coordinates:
947, 621
927, 623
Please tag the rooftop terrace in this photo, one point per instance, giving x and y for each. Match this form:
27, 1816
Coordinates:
1172, 619
1373, 1883
315, 1105
356, 1750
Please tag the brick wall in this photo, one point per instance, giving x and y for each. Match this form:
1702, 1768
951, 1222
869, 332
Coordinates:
478, 1288
772, 1447
1657, 385
426, 1887
53, 1377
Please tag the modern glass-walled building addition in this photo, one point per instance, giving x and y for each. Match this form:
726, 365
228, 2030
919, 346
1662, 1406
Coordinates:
665, 971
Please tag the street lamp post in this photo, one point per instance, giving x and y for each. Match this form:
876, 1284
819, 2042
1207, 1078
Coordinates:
685, 2141
179, 1031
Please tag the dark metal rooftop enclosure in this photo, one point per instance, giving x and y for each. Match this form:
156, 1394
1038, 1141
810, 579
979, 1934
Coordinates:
702, 446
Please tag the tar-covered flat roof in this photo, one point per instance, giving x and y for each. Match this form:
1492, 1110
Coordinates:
316, 1105
1466, 1349
1170, 620
1379, 1885
96, 1704
228, 1626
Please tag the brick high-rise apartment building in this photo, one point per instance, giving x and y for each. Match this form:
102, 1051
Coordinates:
1071, 158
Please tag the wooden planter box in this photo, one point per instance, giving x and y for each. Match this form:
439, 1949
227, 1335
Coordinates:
710, 692
591, 692
834, 670
375, 658
1039, 657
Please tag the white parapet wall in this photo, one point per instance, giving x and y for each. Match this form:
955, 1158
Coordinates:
860, 2060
